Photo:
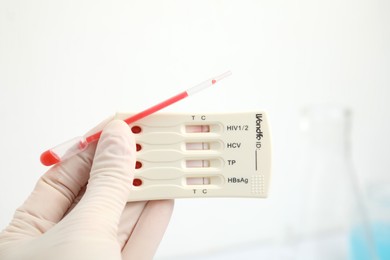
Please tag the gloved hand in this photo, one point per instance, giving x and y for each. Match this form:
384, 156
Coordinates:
67, 218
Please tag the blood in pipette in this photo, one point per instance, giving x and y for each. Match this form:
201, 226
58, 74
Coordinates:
213, 81
48, 158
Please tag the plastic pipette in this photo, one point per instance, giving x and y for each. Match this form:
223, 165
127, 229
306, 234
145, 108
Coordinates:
76, 145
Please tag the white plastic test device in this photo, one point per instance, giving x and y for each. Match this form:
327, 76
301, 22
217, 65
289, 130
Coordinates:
201, 155
191, 155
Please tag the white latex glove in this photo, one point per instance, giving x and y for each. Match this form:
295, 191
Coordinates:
66, 218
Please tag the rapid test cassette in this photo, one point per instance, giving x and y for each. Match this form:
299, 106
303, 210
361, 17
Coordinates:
201, 155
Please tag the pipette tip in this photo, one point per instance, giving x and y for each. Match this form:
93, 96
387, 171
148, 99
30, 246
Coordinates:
222, 76
207, 83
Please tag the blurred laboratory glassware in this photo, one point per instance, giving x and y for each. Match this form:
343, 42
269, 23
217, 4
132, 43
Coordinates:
378, 204
331, 201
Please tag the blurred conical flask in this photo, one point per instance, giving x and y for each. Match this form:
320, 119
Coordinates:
331, 202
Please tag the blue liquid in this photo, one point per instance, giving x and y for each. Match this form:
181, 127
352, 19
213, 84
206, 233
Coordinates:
360, 245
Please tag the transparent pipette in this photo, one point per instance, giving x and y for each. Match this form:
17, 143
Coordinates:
78, 144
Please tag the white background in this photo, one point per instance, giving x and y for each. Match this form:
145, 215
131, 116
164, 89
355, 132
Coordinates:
66, 65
